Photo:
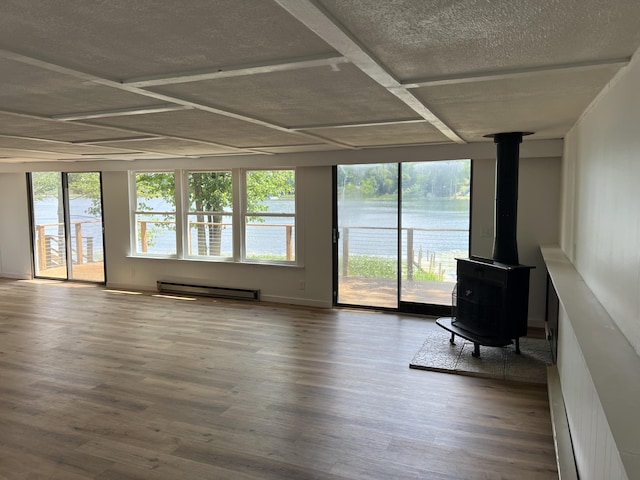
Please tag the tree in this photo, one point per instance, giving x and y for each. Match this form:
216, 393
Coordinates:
443, 179
209, 194
46, 185
49, 185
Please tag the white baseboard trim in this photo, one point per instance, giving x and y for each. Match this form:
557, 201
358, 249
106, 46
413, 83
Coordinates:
561, 435
15, 276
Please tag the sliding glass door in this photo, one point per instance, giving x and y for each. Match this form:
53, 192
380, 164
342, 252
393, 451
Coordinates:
399, 229
67, 225
367, 201
50, 237
434, 232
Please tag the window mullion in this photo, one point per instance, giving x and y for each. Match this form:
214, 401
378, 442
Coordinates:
181, 203
239, 194
133, 207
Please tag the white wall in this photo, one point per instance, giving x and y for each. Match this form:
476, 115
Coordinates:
596, 454
602, 200
539, 168
601, 237
15, 256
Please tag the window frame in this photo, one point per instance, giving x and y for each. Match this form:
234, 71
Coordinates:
186, 213
246, 214
238, 215
133, 195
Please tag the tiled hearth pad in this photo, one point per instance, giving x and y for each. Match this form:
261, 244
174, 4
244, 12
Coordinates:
438, 354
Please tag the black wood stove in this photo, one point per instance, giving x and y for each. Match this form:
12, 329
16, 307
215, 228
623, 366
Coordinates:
491, 297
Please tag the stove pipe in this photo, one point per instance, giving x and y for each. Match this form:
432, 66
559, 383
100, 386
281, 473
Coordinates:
505, 244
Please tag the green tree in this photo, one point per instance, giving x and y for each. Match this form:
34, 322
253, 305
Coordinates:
209, 194
46, 185
81, 185
49, 185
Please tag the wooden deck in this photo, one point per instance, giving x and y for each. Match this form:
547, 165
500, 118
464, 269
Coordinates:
98, 384
383, 292
92, 271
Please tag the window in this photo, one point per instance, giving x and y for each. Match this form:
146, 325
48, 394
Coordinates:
270, 219
155, 213
232, 215
210, 214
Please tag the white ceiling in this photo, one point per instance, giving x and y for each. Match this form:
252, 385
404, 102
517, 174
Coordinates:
146, 79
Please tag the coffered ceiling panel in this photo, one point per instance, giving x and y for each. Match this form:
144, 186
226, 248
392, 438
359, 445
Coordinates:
546, 104
121, 39
171, 146
317, 147
32, 127
433, 38
307, 97
50, 93
32, 155
57, 147
200, 125
375, 135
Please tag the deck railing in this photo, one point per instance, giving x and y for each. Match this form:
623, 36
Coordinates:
418, 244
146, 226
50, 245
421, 247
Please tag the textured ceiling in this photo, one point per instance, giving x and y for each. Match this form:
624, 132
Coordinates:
150, 79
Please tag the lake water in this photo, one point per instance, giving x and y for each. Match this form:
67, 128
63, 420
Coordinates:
46, 213
441, 227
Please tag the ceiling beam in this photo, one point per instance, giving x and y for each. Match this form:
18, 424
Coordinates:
123, 112
516, 73
318, 20
120, 140
359, 124
236, 71
35, 139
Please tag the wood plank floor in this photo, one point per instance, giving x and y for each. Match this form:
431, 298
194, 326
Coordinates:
97, 384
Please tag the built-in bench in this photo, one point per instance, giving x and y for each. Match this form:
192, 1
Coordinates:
599, 373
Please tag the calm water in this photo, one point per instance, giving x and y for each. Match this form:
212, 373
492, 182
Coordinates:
435, 222
46, 213
440, 229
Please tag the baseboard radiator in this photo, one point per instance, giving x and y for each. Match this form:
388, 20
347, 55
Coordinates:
208, 291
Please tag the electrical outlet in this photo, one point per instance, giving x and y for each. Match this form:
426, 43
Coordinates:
301, 285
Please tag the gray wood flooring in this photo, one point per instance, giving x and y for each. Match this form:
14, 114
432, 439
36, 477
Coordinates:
98, 384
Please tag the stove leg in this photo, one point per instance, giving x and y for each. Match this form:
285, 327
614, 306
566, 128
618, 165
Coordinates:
518, 345
476, 350
452, 340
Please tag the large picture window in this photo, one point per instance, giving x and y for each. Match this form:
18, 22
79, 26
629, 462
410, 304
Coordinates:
231, 215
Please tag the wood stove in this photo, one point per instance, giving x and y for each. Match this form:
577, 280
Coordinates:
492, 295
